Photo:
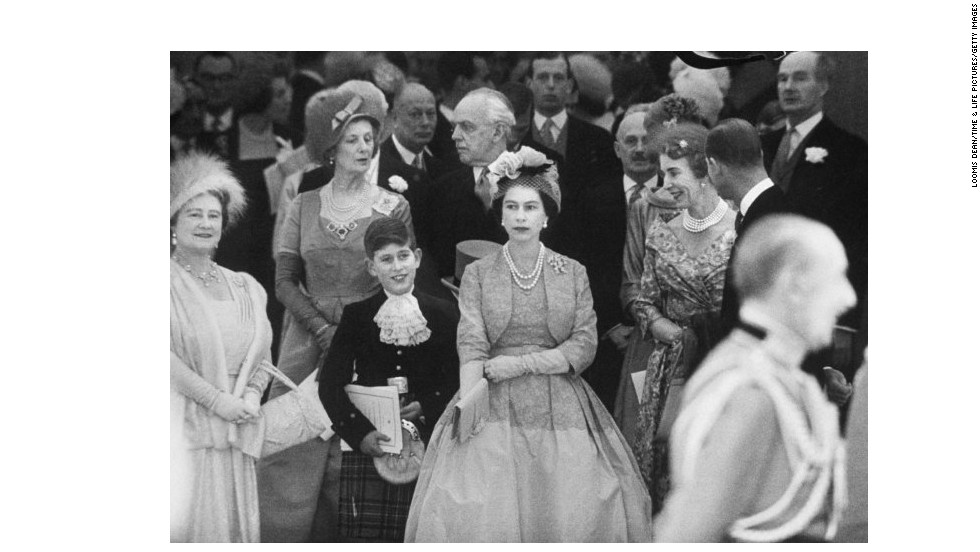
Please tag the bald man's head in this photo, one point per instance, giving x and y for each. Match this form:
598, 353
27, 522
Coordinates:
632, 147
797, 268
414, 116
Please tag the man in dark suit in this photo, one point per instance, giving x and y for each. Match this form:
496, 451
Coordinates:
823, 169
587, 150
522, 100
736, 168
306, 81
216, 73
461, 199
592, 224
414, 117
459, 74
399, 332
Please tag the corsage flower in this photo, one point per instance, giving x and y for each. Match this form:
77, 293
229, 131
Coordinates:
815, 155
557, 263
509, 164
398, 184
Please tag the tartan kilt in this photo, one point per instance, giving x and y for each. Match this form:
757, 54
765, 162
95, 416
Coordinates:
370, 507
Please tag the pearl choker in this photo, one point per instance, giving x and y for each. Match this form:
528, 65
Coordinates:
517, 276
692, 224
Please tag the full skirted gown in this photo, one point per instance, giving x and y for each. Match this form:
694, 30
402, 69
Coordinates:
549, 465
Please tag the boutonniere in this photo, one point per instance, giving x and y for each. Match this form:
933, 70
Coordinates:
815, 155
557, 263
398, 184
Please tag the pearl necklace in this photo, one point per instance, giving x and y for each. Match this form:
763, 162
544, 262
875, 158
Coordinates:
347, 212
516, 274
692, 224
208, 277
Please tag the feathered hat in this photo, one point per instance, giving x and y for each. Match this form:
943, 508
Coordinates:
196, 173
525, 167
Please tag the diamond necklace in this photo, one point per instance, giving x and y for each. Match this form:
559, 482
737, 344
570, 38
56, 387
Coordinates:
516, 274
700, 225
209, 277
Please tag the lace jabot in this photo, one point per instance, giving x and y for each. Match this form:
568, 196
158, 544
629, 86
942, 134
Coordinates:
401, 321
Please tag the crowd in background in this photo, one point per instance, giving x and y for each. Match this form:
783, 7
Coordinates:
654, 187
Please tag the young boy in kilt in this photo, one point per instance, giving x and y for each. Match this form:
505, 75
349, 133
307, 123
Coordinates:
398, 332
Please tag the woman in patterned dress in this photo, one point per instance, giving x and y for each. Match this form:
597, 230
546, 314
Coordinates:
320, 269
680, 290
548, 463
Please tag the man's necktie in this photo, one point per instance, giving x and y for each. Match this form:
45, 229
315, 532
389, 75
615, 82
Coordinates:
635, 193
419, 163
738, 222
482, 189
781, 163
548, 139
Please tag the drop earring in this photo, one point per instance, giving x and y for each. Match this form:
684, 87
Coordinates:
545, 225
173, 238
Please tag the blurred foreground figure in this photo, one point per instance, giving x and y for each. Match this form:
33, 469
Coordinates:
756, 453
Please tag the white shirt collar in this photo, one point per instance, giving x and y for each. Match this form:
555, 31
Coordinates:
560, 119
448, 113
629, 183
754, 193
806, 126
220, 123
313, 75
476, 173
407, 156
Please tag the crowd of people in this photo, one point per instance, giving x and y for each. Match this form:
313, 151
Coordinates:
659, 340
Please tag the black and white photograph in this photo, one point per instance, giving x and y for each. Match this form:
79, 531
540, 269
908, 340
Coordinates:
612, 296
478, 273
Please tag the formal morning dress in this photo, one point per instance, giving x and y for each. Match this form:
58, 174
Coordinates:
549, 465
215, 346
687, 290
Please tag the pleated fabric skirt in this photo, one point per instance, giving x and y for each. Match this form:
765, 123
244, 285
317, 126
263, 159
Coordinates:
549, 465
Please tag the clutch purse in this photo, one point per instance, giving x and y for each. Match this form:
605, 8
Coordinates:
295, 417
471, 411
404, 467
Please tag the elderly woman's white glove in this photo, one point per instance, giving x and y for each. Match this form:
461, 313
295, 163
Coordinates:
231, 409
253, 403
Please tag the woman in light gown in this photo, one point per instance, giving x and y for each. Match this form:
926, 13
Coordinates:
219, 334
549, 464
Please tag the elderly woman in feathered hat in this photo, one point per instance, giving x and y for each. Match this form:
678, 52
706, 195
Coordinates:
219, 334
320, 269
547, 463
